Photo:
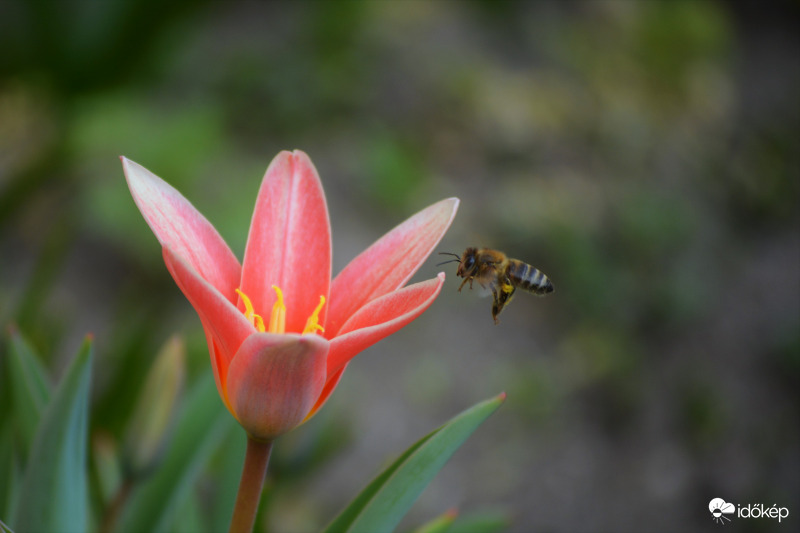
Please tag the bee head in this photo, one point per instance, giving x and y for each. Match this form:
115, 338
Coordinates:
467, 262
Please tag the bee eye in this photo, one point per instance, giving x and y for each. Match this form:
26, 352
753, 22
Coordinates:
470, 262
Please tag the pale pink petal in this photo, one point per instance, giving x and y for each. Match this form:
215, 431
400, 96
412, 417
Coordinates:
380, 318
179, 226
274, 381
289, 244
389, 263
221, 319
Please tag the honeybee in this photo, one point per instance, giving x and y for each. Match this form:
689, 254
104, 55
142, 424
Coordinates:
502, 274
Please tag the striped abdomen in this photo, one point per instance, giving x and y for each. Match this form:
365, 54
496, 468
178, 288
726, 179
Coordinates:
528, 278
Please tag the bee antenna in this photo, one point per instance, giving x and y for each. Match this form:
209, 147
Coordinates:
456, 260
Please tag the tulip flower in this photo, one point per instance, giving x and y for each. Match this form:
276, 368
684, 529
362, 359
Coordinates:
280, 332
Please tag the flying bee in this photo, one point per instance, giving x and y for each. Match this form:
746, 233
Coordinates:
502, 274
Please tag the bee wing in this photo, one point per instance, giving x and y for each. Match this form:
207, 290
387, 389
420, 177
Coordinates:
487, 281
485, 290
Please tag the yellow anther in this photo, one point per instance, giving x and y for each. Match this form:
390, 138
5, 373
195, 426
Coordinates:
312, 324
277, 320
249, 312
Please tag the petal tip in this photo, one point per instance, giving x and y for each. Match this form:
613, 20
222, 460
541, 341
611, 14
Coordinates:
301, 160
454, 202
135, 174
446, 210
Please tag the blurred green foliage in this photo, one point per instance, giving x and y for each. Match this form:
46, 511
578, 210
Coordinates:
642, 154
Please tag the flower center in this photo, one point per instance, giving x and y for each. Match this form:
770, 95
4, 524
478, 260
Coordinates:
277, 319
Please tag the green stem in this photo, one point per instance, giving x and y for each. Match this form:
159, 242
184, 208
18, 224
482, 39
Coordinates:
255, 468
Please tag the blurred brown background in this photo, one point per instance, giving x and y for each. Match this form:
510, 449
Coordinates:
643, 154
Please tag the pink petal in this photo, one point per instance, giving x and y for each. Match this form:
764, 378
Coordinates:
218, 365
289, 244
389, 263
179, 226
327, 390
222, 321
275, 380
380, 318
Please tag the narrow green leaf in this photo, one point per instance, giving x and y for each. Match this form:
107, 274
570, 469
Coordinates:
384, 502
202, 425
191, 518
228, 472
53, 496
30, 387
485, 522
105, 465
4, 528
9, 473
440, 524
350, 514
148, 431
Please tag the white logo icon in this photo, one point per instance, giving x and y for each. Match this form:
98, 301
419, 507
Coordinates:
719, 508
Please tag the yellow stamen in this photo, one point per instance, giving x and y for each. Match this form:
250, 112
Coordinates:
249, 312
277, 320
312, 324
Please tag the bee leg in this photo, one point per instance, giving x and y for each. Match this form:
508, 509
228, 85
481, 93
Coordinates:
497, 305
501, 299
464, 282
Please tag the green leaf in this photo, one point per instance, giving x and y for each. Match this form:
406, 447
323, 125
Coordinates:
384, 502
191, 517
30, 387
53, 496
228, 472
485, 522
202, 425
440, 524
9, 473
148, 431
